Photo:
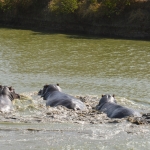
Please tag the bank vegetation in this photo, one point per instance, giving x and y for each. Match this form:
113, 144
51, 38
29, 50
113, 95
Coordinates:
125, 18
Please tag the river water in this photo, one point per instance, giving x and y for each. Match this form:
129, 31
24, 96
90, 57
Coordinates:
82, 65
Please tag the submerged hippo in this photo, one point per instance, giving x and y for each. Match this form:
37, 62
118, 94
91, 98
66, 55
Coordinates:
7, 95
108, 105
54, 97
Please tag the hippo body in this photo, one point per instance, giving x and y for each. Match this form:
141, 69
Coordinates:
5, 104
108, 105
7, 95
54, 97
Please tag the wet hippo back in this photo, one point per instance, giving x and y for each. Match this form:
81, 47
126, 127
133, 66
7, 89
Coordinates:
54, 97
109, 106
57, 98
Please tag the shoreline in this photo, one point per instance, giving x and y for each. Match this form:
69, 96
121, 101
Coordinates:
101, 30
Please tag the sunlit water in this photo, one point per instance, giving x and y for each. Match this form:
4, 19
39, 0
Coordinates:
82, 65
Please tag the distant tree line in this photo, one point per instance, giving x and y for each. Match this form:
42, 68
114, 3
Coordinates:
124, 18
82, 8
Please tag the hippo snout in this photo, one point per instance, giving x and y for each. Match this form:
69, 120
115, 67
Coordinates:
40, 92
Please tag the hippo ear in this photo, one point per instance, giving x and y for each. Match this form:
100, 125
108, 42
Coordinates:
102, 95
46, 85
0, 86
57, 84
114, 95
10, 88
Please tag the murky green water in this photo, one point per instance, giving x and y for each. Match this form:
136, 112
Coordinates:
82, 66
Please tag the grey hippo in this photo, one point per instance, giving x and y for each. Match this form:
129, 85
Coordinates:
54, 97
7, 95
108, 105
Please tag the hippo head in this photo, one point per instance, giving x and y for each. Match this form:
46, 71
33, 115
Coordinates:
13, 93
49, 88
9, 91
107, 98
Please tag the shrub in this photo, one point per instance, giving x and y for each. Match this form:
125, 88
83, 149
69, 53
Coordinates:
22, 6
63, 6
88, 9
112, 7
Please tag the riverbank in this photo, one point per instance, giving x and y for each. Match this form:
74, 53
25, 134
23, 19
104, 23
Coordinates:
133, 22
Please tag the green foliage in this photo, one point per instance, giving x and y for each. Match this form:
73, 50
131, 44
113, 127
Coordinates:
5, 5
112, 7
88, 9
63, 6
22, 6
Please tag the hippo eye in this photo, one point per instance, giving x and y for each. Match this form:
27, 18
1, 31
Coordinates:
57, 84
